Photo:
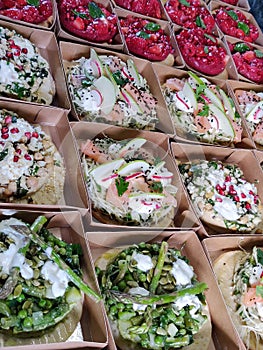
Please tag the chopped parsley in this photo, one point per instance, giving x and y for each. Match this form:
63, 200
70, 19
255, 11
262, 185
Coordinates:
121, 185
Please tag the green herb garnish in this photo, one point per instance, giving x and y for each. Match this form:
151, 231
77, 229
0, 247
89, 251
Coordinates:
210, 37
243, 26
121, 185
156, 186
120, 80
3, 154
241, 47
200, 23
204, 112
232, 14
260, 256
35, 3
258, 53
153, 27
143, 34
259, 291
206, 49
95, 11
184, 2
80, 14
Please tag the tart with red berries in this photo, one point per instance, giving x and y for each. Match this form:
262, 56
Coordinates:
88, 20
38, 12
234, 23
190, 14
147, 39
248, 60
151, 8
202, 51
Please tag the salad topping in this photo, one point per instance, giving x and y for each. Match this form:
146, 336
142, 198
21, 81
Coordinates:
222, 190
128, 184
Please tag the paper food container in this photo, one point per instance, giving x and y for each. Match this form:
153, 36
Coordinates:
243, 4
55, 123
91, 331
242, 85
49, 24
214, 5
178, 61
163, 13
116, 44
228, 39
71, 51
215, 246
229, 71
245, 159
180, 135
158, 145
215, 30
46, 42
223, 333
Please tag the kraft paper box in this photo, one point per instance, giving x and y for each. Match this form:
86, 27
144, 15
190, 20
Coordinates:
49, 24
116, 44
178, 60
46, 42
168, 73
71, 51
158, 145
245, 159
91, 331
223, 333
163, 13
242, 4
215, 246
228, 39
234, 86
214, 5
55, 123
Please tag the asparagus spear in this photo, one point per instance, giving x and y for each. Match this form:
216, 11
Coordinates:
32, 234
158, 268
158, 299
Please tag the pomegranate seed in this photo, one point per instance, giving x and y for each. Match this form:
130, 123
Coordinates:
221, 192
8, 119
14, 130
24, 50
14, 46
4, 130
18, 151
228, 178
9, 55
243, 195
28, 134
15, 159
248, 206
223, 187
218, 187
236, 198
11, 42
256, 199
27, 157
251, 192
17, 53
35, 134
5, 136
218, 199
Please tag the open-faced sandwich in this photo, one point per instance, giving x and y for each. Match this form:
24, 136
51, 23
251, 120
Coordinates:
146, 39
40, 284
104, 88
202, 110
233, 22
190, 14
251, 105
126, 184
24, 73
38, 12
202, 51
223, 198
88, 19
151, 8
153, 298
32, 169
248, 60
239, 274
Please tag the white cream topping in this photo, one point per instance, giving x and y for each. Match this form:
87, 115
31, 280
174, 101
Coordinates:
144, 262
7, 72
57, 277
227, 208
182, 272
255, 274
191, 300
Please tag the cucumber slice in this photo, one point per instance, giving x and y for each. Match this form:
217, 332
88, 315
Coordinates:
256, 114
223, 122
107, 90
135, 74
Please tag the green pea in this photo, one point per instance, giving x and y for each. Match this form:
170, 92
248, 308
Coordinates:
113, 309
159, 340
142, 277
27, 323
21, 298
22, 314
42, 302
122, 285
49, 304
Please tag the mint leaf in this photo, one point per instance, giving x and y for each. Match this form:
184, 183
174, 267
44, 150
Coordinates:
204, 112
260, 256
156, 186
3, 154
210, 37
232, 14
258, 53
80, 15
259, 291
95, 11
143, 35
184, 2
153, 27
121, 185
243, 26
35, 3
241, 47
200, 23
206, 49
